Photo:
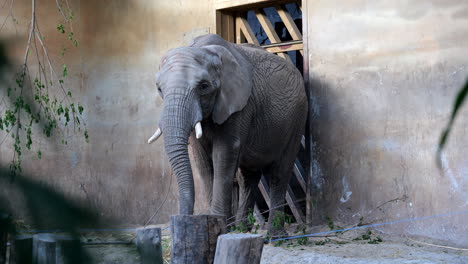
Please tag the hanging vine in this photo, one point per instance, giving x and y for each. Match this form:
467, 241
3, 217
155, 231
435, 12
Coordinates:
38, 99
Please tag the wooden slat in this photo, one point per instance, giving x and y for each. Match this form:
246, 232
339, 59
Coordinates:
291, 200
235, 198
265, 190
269, 30
284, 56
267, 26
299, 176
289, 23
239, 36
258, 216
244, 26
285, 48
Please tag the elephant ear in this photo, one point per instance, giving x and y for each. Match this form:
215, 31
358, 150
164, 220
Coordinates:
235, 81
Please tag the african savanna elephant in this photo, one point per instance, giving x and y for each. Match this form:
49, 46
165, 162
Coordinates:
248, 110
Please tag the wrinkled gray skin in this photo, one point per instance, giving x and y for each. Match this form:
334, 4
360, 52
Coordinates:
252, 107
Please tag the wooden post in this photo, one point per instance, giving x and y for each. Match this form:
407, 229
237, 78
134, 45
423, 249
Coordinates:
239, 249
148, 242
51, 248
22, 249
313, 214
194, 238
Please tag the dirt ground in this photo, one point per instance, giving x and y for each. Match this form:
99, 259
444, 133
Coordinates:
360, 253
357, 246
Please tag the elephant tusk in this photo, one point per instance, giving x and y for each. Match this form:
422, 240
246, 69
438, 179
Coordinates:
154, 137
198, 130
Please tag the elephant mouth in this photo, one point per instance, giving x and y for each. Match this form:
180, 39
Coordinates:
158, 133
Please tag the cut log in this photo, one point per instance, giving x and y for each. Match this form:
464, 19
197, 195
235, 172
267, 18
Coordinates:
194, 238
239, 249
148, 242
22, 249
53, 248
4, 229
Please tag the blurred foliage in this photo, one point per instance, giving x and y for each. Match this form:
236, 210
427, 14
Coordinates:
459, 100
48, 209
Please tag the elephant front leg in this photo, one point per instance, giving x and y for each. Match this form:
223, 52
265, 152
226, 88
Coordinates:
248, 181
225, 164
203, 163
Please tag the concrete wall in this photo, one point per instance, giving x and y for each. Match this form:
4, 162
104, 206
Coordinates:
112, 74
383, 78
384, 75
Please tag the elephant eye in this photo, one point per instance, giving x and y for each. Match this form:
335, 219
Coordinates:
204, 86
160, 92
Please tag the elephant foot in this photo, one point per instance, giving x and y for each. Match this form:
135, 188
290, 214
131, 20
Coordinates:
276, 232
243, 226
276, 223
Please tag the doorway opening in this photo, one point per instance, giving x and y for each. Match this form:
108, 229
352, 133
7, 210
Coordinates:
277, 27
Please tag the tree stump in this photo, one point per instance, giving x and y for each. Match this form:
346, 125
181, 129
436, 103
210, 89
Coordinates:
22, 249
148, 242
239, 249
52, 248
194, 238
4, 229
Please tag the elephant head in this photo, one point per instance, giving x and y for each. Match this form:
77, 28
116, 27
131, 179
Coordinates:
198, 83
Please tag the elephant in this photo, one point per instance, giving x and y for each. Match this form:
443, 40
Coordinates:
240, 108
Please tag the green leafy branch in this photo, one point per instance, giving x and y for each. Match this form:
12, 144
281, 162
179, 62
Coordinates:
40, 99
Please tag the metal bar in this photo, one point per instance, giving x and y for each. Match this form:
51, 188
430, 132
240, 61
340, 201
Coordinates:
285, 43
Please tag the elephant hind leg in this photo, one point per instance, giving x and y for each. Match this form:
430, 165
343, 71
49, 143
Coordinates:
248, 184
278, 188
279, 174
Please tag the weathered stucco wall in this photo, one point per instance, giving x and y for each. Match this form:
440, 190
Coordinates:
384, 75
112, 74
383, 78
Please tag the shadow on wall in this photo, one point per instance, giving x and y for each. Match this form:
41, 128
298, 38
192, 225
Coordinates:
344, 165
47, 209
119, 27
360, 176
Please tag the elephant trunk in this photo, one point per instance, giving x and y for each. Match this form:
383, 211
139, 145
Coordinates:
180, 114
